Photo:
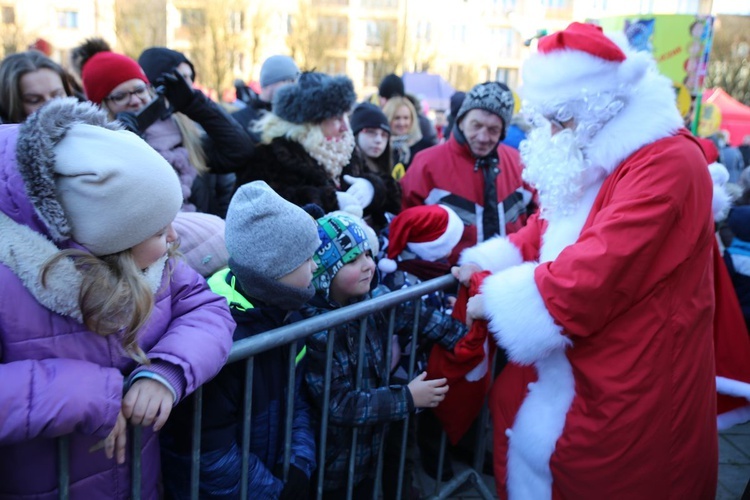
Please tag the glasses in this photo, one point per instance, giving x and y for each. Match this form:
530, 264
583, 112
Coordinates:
123, 97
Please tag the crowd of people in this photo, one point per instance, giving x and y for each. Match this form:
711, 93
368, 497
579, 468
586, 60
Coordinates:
145, 228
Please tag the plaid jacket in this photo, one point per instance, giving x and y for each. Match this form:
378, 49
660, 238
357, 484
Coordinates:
375, 403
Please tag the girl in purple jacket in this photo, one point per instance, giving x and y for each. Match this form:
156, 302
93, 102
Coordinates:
99, 325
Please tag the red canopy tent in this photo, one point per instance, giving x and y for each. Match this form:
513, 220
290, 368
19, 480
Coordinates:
735, 116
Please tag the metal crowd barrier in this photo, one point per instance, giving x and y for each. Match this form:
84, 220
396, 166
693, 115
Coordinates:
245, 350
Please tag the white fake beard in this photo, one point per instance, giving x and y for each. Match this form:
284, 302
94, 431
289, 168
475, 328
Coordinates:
556, 166
332, 154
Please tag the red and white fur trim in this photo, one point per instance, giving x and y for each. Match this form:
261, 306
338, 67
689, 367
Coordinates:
493, 255
521, 323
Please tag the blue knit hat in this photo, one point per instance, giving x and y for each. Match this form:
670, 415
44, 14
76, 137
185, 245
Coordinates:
343, 240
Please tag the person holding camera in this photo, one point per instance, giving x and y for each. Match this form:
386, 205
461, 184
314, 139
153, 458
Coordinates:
192, 132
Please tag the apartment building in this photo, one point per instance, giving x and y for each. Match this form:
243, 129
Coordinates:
465, 41
62, 24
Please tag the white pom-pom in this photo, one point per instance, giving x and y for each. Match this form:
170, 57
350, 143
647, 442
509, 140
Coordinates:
387, 265
720, 203
632, 69
719, 173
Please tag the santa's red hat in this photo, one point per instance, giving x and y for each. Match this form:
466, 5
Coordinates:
580, 59
430, 231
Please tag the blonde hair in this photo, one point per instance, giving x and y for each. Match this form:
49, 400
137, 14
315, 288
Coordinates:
271, 127
191, 139
393, 105
114, 296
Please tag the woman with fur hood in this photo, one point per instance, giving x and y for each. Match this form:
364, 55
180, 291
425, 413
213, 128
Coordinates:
306, 146
99, 326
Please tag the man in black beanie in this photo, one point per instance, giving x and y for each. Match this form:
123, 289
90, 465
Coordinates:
393, 86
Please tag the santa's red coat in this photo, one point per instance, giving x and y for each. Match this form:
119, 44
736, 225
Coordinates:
617, 323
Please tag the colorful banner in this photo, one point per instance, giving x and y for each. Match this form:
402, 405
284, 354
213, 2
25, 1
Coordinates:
679, 43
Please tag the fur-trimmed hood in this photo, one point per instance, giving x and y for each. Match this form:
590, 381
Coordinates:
34, 159
32, 221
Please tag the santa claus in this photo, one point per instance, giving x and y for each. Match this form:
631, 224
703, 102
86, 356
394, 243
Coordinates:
604, 301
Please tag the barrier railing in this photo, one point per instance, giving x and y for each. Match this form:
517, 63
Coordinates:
245, 350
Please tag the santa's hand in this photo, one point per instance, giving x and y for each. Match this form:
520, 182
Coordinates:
463, 273
346, 200
475, 309
361, 189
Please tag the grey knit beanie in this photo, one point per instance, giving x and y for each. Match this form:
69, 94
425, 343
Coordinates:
278, 69
494, 97
267, 235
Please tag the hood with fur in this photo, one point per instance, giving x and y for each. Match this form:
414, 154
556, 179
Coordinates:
32, 221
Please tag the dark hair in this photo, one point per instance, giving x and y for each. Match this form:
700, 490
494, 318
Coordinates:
383, 164
12, 69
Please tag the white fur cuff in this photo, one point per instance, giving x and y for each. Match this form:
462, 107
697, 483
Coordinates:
493, 255
518, 318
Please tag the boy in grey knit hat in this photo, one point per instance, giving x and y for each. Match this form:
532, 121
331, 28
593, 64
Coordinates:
270, 243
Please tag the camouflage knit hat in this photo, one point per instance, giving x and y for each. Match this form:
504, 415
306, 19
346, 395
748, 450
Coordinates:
343, 240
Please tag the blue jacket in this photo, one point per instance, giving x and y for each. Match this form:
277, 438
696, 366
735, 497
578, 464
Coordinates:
223, 406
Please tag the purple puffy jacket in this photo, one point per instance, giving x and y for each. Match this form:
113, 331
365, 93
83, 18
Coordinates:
59, 379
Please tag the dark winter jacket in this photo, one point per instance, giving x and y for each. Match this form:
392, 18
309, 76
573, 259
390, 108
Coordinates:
250, 114
223, 406
211, 193
228, 147
376, 402
387, 197
292, 173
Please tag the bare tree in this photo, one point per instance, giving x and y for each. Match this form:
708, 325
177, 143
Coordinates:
729, 63
259, 29
217, 36
13, 36
140, 24
313, 37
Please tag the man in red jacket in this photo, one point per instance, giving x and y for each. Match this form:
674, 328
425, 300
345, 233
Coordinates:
473, 173
604, 301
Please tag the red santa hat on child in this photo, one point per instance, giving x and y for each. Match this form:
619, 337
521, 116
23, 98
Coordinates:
580, 58
430, 231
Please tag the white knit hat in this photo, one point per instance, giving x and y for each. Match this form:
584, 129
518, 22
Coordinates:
116, 190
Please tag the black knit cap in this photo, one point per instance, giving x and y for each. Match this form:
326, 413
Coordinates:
391, 86
158, 60
367, 115
314, 98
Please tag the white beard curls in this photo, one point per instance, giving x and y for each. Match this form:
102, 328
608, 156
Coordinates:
556, 166
332, 154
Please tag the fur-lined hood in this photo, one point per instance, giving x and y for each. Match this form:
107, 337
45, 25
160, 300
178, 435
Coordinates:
34, 159
32, 221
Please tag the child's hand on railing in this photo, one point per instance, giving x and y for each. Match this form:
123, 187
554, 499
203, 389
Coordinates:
427, 393
114, 444
147, 402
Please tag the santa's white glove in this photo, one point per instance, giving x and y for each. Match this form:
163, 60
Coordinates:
347, 201
361, 189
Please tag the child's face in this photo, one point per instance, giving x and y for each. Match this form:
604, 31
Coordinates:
372, 141
154, 248
353, 280
302, 276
